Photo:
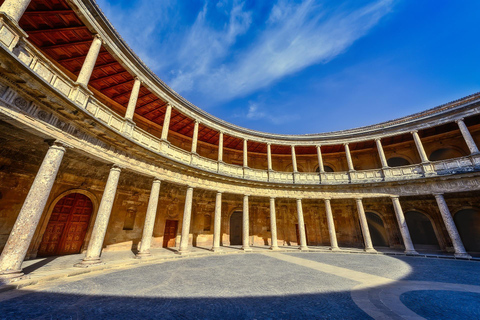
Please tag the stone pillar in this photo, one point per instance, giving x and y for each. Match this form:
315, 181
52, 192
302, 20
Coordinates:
132, 103
320, 159
418, 143
269, 156
217, 223
94, 249
245, 153
246, 225
364, 224
144, 250
301, 226
187, 217
273, 225
195, 137
24, 228
383, 159
331, 226
15, 8
349, 157
294, 160
451, 228
467, 136
220, 147
402, 224
166, 122
90, 61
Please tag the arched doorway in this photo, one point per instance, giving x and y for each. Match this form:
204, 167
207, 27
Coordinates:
468, 225
68, 224
397, 162
421, 231
377, 230
236, 229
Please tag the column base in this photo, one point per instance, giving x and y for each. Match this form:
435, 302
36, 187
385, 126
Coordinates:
462, 255
143, 255
370, 250
335, 249
89, 262
274, 248
6, 276
412, 252
183, 251
303, 248
247, 249
216, 249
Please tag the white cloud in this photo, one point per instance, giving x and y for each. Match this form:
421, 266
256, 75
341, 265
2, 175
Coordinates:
255, 112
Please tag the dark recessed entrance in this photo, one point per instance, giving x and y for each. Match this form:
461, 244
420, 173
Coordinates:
236, 229
421, 231
170, 234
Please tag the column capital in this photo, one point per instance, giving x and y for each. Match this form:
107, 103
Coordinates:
345, 144
273, 198
459, 120
96, 36
318, 145
378, 139
219, 192
189, 187
394, 196
298, 199
327, 199
116, 167
358, 199
57, 144
438, 194
196, 121
246, 195
136, 78
156, 180
269, 143
414, 131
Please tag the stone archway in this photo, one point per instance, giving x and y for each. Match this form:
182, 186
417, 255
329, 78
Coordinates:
468, 225
67, 225
397, 162
378, 233
421, 230
445, 154
236, 228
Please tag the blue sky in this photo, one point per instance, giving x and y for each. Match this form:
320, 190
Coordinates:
307, 66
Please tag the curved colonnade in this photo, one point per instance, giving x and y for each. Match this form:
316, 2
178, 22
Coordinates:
79, 109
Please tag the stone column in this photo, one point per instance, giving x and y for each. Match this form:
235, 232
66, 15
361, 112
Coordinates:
144, 250
273, 225
132, 103
15, 8
195, 137
246, 225
217, 223
383, 159
24, 228
166, 122
187, 217
418, 143
92, 257
467, 136
349, 157
269, 156
364, 225
294, 160
90, 61
402, 224
245, 153
301, 226
451, 228
331, 226
220, 147
320, 159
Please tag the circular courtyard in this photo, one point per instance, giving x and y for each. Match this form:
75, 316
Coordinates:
261, 286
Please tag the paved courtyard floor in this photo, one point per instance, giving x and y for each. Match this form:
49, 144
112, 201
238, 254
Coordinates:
260, 285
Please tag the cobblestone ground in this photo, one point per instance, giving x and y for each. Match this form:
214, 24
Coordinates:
259, 286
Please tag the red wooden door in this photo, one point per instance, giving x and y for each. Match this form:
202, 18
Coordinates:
67, 226
170, 234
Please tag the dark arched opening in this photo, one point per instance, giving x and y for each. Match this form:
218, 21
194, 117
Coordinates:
325, 168
397, 162
468, 225
236, 230
377, 230
444, 154
421, 231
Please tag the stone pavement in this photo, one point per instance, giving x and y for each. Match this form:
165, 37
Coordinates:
259, 285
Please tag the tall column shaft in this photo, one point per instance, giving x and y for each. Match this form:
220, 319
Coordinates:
144, 249
273, 225
349, 158
132, 102
381, 153
15, 8
451, 227
220, 147
364, 224
320, 159
301, 226
245, 153
217, 224
402, 224
467, 137
294, 160
90, 60
24, 228
269, 156
101, 222
166, 122
419, 144
246, 225
331, 226
187, 217
195, 137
